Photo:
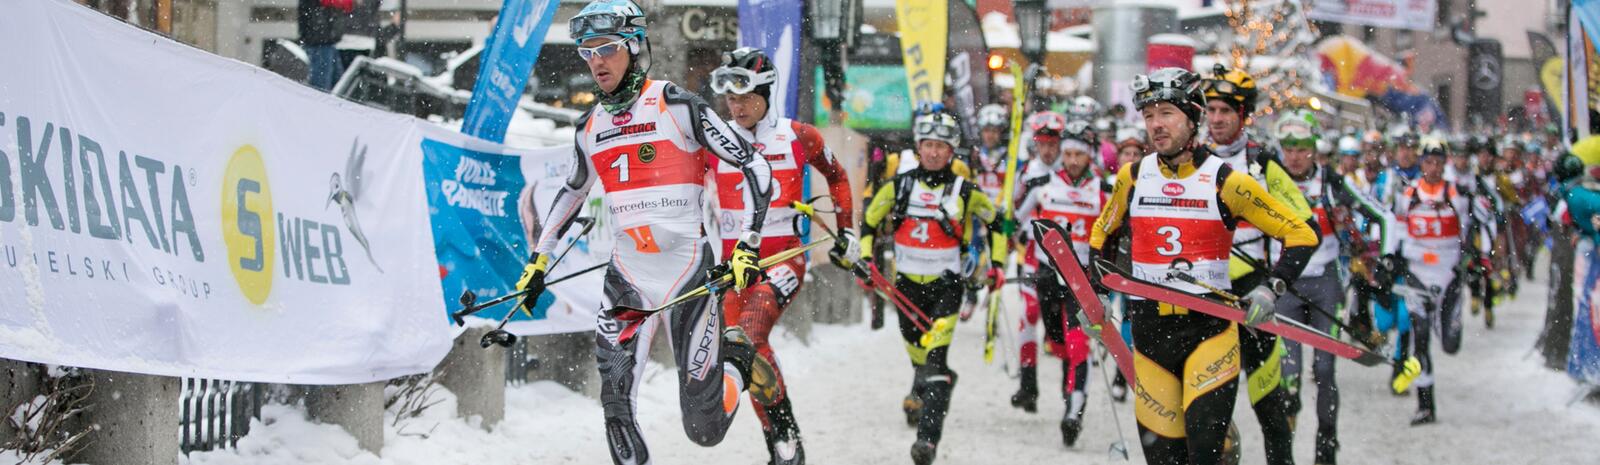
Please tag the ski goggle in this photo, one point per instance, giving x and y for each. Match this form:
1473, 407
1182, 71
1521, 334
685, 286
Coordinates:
1047, 122
739, 80
599, 24
605, 50
1221, 86
1165, 85
1308, 143
936, 130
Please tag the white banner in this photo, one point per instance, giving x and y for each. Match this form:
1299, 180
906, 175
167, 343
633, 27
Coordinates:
170, 212
1399, 14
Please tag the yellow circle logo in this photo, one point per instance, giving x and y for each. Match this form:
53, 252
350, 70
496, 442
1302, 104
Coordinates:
247, 223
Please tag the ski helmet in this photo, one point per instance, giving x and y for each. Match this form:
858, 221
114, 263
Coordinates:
621, 18
1084, 107
992, 116
1176, 86
1047, 125
1297, 128
938, 126
1349, 146
743, 71
1432, 146
1130, 136
1079, 135
1234, 86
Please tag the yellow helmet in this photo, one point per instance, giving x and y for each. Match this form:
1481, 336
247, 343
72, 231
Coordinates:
1233, 85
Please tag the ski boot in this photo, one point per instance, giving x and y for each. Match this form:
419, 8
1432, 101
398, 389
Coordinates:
1327, 448
912, 405
923, 452
760, 379
783, 437
936, 390
1119, 389
1425, 413
1072, 420
1027, 396
1231, 450
1070, 427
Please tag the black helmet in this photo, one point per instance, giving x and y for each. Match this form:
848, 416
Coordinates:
1177, 86
743, 71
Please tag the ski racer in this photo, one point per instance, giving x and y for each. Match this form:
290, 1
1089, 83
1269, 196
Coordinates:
648, 143
1179, 206
1435, 214
1230, 100
745, 82
1320, 291
926, 212
1062, 186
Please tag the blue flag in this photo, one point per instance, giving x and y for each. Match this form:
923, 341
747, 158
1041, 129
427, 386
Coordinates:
505, 64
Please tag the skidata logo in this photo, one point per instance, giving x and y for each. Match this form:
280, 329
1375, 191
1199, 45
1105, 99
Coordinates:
246, 199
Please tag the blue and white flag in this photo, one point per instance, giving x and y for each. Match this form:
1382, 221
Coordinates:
504, 67
774, 27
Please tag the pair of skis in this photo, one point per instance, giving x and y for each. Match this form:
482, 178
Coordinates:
1007, 203
1056, 247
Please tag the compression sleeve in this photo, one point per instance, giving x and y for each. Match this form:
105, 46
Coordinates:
569, 200
1347, 195
713, 133
818, 156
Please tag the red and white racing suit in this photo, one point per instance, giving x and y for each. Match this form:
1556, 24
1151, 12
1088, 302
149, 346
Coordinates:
651, 160
1049, 193
789, 146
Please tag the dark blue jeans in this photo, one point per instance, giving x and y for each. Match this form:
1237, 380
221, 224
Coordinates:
325, 66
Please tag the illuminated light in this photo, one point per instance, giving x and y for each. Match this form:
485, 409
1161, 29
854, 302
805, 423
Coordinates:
996, 62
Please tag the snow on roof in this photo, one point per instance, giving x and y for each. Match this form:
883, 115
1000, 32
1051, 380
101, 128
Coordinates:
999, 33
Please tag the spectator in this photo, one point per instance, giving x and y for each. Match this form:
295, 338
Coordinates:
319, 31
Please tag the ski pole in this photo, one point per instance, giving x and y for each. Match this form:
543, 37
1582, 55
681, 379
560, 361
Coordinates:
1121, 446
469, 299
633, 316
878, 284
1309, 303
504, 338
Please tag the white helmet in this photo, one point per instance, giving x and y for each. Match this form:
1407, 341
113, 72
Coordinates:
992, 115
937, 126
1084, 107
1348, 145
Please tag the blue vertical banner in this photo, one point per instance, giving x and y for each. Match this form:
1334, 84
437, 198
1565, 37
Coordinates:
503, 70
774, 27
1583, 358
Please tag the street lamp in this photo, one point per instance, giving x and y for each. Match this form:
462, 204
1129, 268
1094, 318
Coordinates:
834, 27
1032, 25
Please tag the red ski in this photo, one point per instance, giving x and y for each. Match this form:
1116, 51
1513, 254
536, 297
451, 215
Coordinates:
1117, 280
1054, 241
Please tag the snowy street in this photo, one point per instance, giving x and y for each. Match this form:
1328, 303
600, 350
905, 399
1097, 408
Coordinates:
1496, 405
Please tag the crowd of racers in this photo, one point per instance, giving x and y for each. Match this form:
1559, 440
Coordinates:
1372, 234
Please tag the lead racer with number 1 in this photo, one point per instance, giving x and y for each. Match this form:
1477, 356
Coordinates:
649, 144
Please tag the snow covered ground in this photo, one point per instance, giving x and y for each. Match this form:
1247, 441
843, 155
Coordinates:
1496, 405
